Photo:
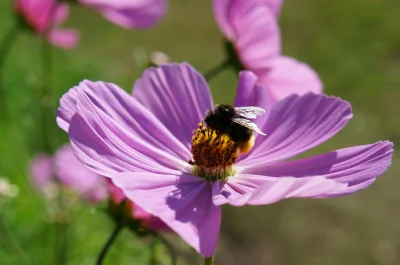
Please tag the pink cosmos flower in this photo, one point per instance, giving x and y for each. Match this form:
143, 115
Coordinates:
66, 169
37, 15
143, 142
252, 28
132, 14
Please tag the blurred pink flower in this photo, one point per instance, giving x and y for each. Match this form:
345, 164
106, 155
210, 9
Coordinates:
143, 142
67, 170
133, 14
41, 171
252, 28
37, 15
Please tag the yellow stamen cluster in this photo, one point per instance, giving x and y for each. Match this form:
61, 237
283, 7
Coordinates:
213, 154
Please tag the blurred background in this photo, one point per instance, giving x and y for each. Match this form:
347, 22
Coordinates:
353, 45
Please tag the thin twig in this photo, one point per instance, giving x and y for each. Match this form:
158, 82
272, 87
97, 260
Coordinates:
216, 70
12, 243
109, 242
154, 251
45, 95
169, 247
62, 231
5, 46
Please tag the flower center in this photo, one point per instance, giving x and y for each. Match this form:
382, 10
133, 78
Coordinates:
213, 154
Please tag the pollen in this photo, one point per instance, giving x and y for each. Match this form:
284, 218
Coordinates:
213, 154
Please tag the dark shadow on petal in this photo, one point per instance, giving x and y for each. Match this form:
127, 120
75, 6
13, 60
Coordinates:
193, 205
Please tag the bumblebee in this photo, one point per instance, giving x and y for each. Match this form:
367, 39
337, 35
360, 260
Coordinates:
235, 122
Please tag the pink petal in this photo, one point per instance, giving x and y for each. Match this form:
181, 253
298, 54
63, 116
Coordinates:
131, 14
258, 37
120, 4
356, 166
222, 10
182, 202
150, 221
294, 188
258, 190
156, 224
110, 132
60, 14
106, 146
116, 194
63, 38
288, 76
176, 94
43, 15
127, 111
297, 124
72, 173
41, 171
35, 13
250, 93
275, 6
140, 213
246, 90
67, 108
253, 28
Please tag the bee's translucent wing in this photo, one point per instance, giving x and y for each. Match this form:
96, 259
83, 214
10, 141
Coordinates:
250, 112
248, 124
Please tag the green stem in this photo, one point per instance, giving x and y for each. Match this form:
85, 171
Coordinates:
108, 244
62, 229
209, 261
154, 251
11, 243
169, 247
46, 96
5, 46
216, 70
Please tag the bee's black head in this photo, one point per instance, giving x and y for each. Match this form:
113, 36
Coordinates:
225, 111
221, 118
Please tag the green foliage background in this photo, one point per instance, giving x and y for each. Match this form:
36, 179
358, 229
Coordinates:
353, 45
